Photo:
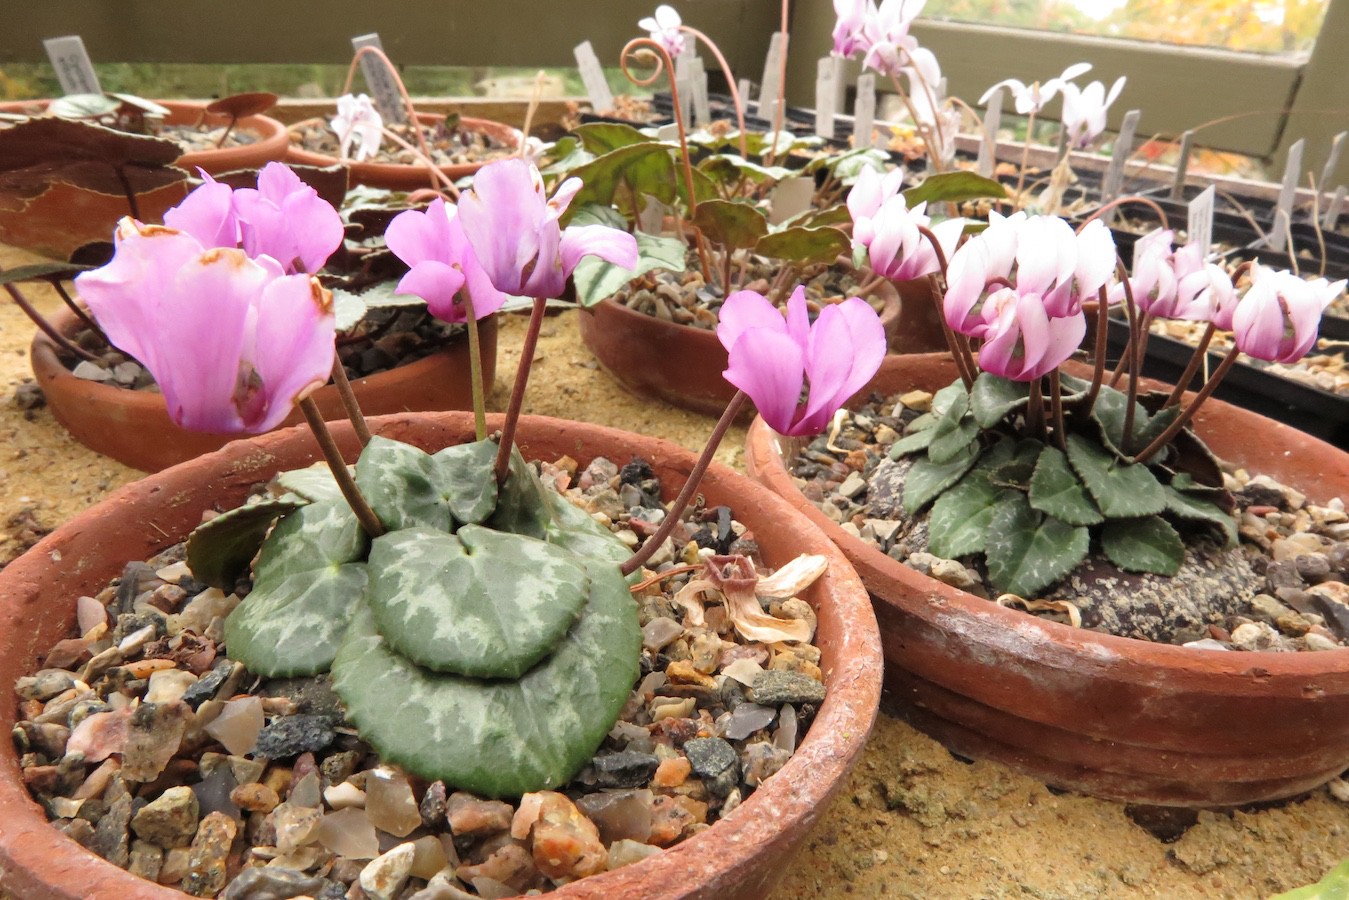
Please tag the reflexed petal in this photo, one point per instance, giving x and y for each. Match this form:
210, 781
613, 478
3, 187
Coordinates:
1095, 258
415, 236
287, 220
207, 214
294, 349
744, 310
1258, 323
436, 283
609, 244
769, 367
798, 317
1065, 336
1046, 254
501, 216
966, 276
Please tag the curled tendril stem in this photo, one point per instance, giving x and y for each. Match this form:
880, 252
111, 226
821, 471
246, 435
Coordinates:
736, 101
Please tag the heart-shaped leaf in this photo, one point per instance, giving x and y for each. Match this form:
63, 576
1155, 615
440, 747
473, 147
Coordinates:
400, 483
1028, 551
992, 398
219, 551
36, 152
620, 176
954, 433
236, 106
735, 226
1148, 544
601, 137
497, 738
926, 480
1056, 491
805, 246
958, 523
464, 473
577, 530
1121, 489
955, 187
1200, 508
523, 506
309, 580
313, 483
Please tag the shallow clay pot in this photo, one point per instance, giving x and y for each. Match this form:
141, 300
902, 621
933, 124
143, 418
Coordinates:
679, 364
398, 177
741, 856
134, 428
1115, 717
64, 218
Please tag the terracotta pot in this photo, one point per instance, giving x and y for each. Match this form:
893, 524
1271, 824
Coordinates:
919, 329
134, 428
398, 177
65, 217
1114, 717
679, 364
741, 856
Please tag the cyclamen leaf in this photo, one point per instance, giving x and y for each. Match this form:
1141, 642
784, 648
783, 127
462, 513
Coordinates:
955, 187
1028, 551
497, 738
1197, 508
399, 482
597, 279
1056, 491
314, 483
522, 503
1148, 544
958, 523
735, 226
1108, 413
464, 472
805, 246
308, 581
912, 442
993, 398
1121, 490
219, 551
478, 603
954, 432
577, 530
926, 480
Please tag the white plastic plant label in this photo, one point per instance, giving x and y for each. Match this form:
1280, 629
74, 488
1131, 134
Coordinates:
1334, 209
864, 111
790, 197
771, 84
1119, 156
74, 68
383, 87
592, 76
684, 87
1182, 165
1333, 160
988, 144
669, 133
745, 88
826, 96
702, 108
1199, 224
1283, 209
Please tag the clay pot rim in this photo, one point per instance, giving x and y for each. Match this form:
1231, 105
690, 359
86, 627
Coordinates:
696, 867
499, 130
272, 138
46, 364
963, 612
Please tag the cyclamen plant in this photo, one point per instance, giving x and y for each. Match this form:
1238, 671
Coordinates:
1031, 468
498, 611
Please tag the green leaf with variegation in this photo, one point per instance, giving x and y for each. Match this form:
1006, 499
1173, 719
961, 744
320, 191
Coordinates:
478, 603
735, 226
1148, 544
1121, 490
308, 581
597, 279
497, 738
314, 483
401, 484
523, 506
992, 398
953, 393
1056, 491
954, 432
219, 551
348, 308
730, 168
926, 480
912, 443
464, 474
805, 246
1109, 412
958, 523
1028, 551
955, 187
577, 530
1198, 508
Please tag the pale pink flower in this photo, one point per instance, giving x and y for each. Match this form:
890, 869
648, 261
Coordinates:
664, 29
1035, 96
1084, 110
1278, 317
442, 263
357, 122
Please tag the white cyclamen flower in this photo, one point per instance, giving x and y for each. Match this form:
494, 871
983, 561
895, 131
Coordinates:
1084, 110
1035, 96
664, 29
357, 120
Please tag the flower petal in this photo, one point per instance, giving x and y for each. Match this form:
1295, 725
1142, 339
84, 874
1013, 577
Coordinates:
769, 367
207, 214
744, 310
294, 348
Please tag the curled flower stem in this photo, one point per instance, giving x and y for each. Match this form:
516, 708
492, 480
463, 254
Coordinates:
75, 308
413, 122
676, 511
349, 401
730, 85
1188, 375
1184, 418
666, 64
57, 338
364, 514
475, 369
502, 467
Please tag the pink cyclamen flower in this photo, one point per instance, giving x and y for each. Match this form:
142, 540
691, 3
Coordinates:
1022, 341
1035, 96
233, 342
442, 263
514, 231
1278, 318
663, 28
898, 250
357, 122
772, 359
1169, 283
848, 30
886, 35
283, 218
1084, 110
1207, 295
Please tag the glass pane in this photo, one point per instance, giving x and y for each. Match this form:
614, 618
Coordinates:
1258, 26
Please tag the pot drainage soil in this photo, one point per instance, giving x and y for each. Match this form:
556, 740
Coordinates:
448, 146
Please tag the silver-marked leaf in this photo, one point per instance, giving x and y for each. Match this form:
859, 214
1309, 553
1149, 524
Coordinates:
314, 483
1109, 413
464, 475
308, 581
958, 523
1056, 491
497, 738
1122, 490
992, 398
348, 308
954, 432
596, 278
1157, 423
912, 442
1028, 551
480, 603
1148, 544
577, 530
522, 503
219, 551
1198, 508
926, 479
953, 393
401, 484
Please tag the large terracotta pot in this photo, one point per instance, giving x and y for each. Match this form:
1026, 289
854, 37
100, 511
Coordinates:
1110, 716
742, 856
679, 364
398, 177
64, 218
134, 428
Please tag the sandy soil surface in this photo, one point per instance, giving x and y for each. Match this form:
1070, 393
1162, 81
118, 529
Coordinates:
913, 821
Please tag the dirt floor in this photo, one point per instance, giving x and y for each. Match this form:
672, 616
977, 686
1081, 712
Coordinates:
913, 821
